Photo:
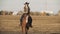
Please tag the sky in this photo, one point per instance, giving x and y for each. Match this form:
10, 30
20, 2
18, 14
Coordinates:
35, 5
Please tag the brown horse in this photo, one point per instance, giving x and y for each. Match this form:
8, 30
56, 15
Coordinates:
26, 20
24, 24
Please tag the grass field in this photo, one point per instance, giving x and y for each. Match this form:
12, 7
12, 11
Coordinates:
49, 24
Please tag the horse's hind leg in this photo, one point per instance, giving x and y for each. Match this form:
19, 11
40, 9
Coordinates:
26, 31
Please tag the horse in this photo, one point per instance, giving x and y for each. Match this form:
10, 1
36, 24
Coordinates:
26, 22
26, 19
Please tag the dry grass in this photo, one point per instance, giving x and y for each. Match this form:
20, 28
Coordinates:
40, 23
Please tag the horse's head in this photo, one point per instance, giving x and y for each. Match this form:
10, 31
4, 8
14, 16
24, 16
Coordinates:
25, 18
25, 15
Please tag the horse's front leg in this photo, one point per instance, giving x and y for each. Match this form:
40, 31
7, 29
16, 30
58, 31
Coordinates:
23, 30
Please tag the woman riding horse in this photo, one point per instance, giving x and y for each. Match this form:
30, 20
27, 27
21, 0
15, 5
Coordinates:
26, 19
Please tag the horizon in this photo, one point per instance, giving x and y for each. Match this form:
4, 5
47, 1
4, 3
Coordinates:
35, 5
